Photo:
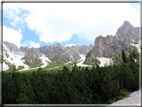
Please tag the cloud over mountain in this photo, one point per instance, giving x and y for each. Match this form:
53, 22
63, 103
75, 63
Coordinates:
87, 20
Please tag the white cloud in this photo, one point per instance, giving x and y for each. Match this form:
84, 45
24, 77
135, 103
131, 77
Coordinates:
58, 21
15, 16
11, 35
33, 44
70, 45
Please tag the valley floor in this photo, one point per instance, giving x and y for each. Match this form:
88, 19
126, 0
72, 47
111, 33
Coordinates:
17, 61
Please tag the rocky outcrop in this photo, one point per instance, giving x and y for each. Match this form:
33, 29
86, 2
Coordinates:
30, 57
109, 45
81, 49
10, 46
90, 59
105, 47
36, 51
22, 49
127, 32
59, 54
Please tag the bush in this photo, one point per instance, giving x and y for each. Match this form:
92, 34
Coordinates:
96, 60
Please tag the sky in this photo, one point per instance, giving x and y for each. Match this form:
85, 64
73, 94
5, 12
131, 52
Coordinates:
40, 24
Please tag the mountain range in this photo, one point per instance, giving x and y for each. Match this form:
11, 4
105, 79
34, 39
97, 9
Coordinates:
103, 47
109, 45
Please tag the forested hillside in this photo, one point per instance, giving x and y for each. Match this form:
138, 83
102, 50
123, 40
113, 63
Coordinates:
79, 85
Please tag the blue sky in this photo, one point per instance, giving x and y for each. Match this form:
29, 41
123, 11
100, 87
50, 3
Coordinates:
38, 24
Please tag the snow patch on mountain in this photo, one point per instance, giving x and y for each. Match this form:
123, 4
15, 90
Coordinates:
104, 61
16, 60
82, 60
70, 45
44, 60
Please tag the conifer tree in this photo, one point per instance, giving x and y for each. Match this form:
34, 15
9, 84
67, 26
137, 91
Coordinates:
14, 69
124, 56
135, 55
131, 57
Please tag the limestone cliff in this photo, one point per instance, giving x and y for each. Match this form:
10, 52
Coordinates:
127, 32
30, 57
105, 47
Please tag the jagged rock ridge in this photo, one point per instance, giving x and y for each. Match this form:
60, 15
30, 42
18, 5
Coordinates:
127, 32
81, 49
105, 47
30, 57
109, 45
59, 54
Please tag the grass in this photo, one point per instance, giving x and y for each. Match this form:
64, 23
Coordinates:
52, 65
20, 67
49, 66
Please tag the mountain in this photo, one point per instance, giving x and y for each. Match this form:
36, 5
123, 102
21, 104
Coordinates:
81, 49
70, 45
127, 32
30, 57
109, 45
56, 53
59, 54
12, 48
103, 47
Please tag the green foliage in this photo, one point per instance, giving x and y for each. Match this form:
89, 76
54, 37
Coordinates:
124, 92
79, 85
125, 57
89, 54
20, 67
96, 60
37, 63
130, 48
117, 59
131, 57
59, 59
6, 55
135, 55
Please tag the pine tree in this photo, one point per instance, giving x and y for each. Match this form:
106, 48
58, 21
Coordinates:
131, 57
136, 55
124, 56
14, 68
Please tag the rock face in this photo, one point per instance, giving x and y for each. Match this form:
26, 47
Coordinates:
109, 45
127, 32
22, 49
36, 51
30, 57
104, 47
81, 49
59, 54
10, 46
89, 58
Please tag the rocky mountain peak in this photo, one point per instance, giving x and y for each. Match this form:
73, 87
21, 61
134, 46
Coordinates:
127, 32
57, 44
104, 47
22, 49
11, 46
127, 23
30, 57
